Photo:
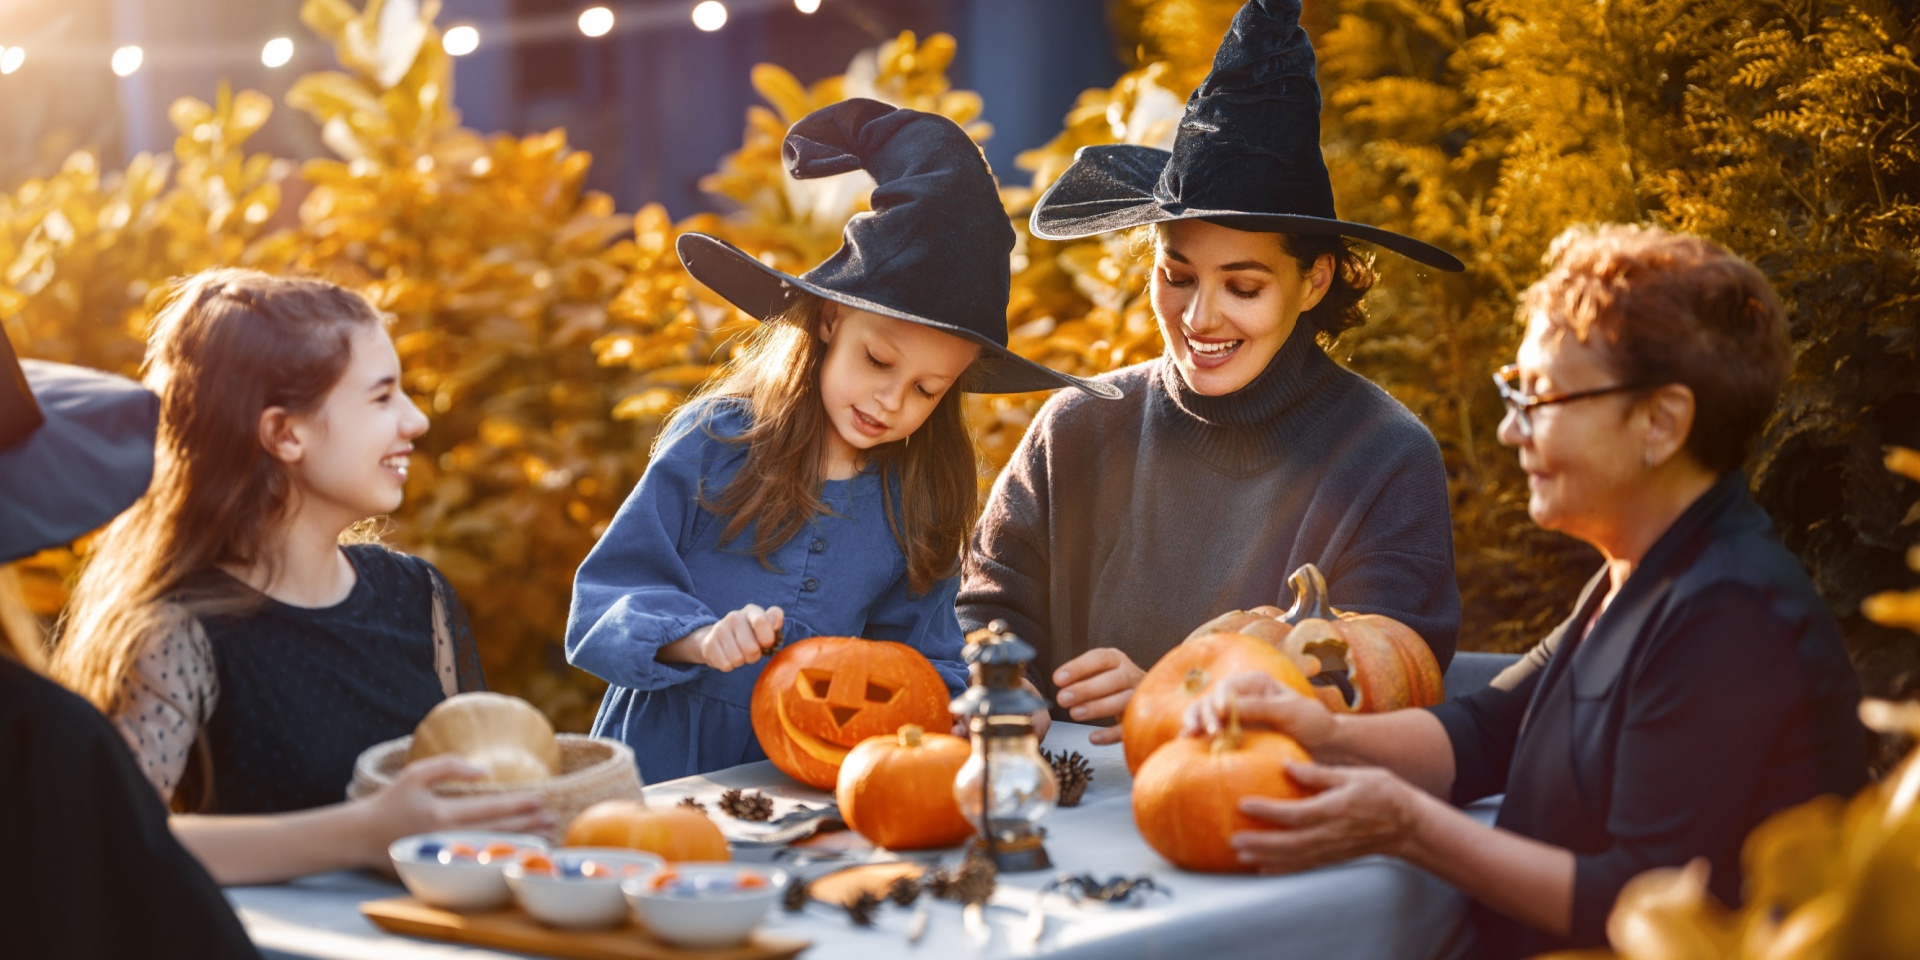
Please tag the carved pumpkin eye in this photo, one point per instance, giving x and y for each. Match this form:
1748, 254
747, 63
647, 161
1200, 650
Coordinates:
814, 683
877, 693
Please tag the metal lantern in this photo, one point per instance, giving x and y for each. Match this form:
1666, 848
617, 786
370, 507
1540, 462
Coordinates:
1006, 786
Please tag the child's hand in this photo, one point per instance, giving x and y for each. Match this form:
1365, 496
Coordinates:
741, 637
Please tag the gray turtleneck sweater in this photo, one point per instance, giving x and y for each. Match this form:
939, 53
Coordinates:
1128, 523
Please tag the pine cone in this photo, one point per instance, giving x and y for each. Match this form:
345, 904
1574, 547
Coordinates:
1074, 773
861, 910
794, 898
747, 806
972, 883
903, 891
695, 804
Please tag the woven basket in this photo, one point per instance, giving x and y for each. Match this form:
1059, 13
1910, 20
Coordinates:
592, 769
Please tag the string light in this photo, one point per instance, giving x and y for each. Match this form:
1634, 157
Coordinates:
806, 6
11, 58
458, 41
596, 21
710, 15
127, 59
461, 40
277, 53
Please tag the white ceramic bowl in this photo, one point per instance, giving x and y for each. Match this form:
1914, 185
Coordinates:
565, 898
713, 920
460, 884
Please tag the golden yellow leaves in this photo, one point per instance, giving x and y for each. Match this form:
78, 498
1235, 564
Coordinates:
1900, 608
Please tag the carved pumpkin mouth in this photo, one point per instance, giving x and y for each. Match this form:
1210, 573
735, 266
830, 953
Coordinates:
815, 747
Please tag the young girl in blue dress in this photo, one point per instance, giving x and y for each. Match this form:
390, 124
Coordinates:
825, 484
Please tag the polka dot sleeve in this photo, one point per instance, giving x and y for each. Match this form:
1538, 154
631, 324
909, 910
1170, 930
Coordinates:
165, 698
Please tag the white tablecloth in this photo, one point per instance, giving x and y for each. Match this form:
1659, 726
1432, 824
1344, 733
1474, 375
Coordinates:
1377, 908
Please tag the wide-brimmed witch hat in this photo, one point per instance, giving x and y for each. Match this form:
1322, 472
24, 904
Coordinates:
934, 249
1246, 156
76, 448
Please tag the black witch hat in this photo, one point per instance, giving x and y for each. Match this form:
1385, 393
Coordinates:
76, 448
933, 251
1247, 154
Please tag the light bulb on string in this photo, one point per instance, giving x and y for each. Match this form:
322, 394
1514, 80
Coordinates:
806, 6
461, 40
11, 58
127, 59
277, 53
710, 15
596, 21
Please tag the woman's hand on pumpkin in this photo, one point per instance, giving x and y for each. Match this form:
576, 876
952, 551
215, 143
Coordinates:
1096, 685
1354, 812
409, 805
1262, 701
740, 637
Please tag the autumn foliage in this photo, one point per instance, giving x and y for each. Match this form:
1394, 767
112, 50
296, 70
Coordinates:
547, 333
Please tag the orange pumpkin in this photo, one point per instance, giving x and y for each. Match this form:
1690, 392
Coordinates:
1186, 797
1159, 705
819, 698
1362, 663
675, 833
898, 791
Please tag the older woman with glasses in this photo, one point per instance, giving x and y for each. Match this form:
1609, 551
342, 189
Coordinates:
1700, 684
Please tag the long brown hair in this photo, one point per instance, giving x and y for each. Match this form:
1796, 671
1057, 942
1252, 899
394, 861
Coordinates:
777, 490
226, 346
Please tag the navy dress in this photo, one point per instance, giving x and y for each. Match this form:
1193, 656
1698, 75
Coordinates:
1712, 692
660, 573
302, 692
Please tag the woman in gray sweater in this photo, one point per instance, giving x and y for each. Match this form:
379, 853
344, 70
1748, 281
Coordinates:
1243, 451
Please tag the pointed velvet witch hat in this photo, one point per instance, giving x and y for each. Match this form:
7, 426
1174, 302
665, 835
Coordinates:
1247, 154
933, 250
76, 448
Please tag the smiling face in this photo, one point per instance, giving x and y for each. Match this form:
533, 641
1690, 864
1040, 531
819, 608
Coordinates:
1582, 460
881, 378
348, 458
1227, 300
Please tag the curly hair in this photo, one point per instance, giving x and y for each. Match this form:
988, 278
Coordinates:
1667, 307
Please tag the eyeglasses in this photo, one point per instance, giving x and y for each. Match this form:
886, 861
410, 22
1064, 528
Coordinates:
1520, 404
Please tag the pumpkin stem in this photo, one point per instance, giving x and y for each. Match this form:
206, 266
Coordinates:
1229, 739
910, 735
1309, 587
1194, 681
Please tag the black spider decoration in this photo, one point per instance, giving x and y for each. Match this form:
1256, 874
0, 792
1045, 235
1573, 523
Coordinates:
1116, 889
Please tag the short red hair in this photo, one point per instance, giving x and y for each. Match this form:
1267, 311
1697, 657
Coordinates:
1665, 308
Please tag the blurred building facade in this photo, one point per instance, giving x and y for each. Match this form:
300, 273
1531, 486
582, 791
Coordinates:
656, 100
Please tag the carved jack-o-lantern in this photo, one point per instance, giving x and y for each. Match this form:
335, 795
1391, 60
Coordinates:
818, 698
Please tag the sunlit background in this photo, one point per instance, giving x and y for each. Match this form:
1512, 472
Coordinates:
655, 89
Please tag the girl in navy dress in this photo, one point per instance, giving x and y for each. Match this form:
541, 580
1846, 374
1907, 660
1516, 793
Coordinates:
229, 625
825, 483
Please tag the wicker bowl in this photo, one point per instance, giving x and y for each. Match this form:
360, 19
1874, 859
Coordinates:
592, 769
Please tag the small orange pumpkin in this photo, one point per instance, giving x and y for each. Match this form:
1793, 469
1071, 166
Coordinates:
1186, 797
675, 833
1360, 663
1159, 705
898, 791
819, 698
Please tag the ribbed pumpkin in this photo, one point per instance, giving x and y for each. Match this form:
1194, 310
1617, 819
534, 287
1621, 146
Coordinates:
1186, 797
898, 791
819, 698
675, 833
1158, 708
505, 736
1363, 663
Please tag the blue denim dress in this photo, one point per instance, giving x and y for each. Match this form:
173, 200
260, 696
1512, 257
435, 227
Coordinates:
660, 573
